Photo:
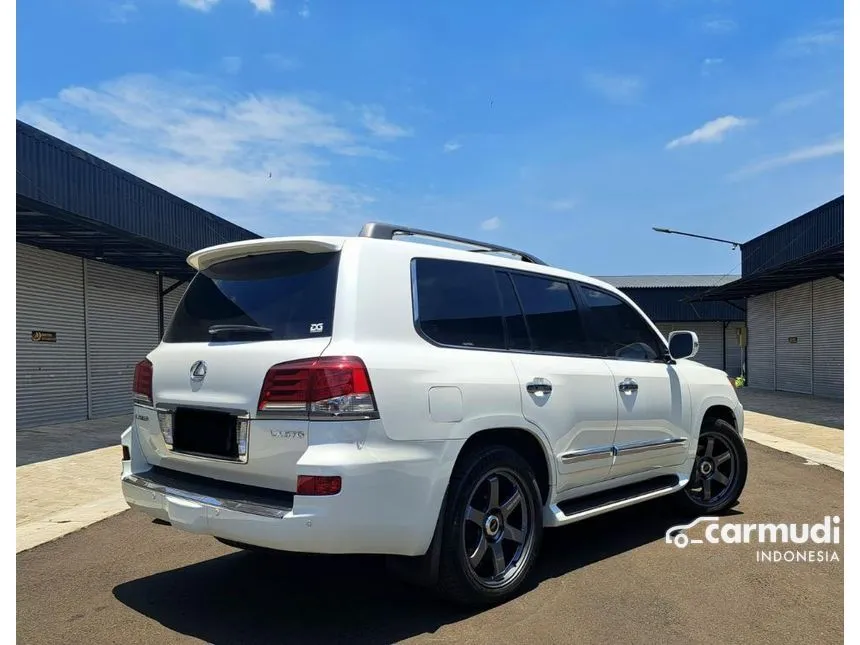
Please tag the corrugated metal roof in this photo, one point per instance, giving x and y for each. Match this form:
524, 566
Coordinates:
55, 173
816, 231
666, 281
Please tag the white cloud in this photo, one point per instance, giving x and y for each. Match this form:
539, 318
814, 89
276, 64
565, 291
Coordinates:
121, 12
615, 87
373, 118
452, 146
562, 205
264, 6
231, 64
281, 62
709, 64
712, 132
238, 155
491, 224
809, 153
305, 11
799, 102
813, 42
199, 5
719, 25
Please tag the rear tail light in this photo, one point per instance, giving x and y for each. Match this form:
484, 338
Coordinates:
142, 386
318, 485
329, 387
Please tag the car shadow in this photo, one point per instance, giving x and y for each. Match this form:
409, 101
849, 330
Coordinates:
247, 597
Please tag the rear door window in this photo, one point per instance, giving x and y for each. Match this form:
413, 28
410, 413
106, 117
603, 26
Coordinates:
553, 321
457, 304
285, 296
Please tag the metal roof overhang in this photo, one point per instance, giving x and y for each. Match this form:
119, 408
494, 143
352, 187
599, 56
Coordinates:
829, 262
48, 227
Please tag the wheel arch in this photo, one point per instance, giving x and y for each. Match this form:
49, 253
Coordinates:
525, 442
424, 570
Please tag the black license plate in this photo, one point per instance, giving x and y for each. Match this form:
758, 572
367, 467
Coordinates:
205, 432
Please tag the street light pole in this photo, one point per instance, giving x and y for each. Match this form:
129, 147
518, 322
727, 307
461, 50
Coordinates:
734, 246
701, 237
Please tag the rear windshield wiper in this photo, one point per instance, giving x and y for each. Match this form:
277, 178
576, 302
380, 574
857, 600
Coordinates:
214, 330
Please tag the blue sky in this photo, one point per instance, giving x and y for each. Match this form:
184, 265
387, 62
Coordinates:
566, 128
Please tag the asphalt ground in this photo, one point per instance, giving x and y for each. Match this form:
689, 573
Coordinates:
608, 579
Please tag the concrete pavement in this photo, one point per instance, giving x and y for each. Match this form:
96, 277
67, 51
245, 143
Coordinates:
609, 579
62, 495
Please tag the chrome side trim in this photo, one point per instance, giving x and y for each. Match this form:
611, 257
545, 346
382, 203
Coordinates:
637, 447
587, 454
252, 508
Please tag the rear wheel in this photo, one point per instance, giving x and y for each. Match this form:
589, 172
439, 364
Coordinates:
719, 471
493, 528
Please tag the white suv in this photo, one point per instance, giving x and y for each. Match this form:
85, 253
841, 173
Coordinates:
370, 395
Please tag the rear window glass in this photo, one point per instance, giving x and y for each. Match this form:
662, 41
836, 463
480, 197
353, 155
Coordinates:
292, 294
458, 304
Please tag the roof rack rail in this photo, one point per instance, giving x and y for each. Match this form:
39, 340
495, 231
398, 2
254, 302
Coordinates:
380, 231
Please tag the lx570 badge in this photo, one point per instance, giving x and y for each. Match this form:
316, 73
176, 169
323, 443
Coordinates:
288, 434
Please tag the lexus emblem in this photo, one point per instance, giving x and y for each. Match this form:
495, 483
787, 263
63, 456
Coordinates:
198, 370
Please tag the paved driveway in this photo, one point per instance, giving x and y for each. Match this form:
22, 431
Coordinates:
609, 579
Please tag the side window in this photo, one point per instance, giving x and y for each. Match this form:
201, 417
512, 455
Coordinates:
458, 303
515, 323
618, 330
554, 323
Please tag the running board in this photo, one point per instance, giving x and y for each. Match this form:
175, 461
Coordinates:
609, 500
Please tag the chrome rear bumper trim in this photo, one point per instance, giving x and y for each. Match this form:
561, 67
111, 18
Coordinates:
239, 505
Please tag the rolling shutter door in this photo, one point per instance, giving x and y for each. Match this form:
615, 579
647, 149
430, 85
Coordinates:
171, 300
122, 327
51, 377
828, 329
760, 343
734, 352
794, 339
710, 340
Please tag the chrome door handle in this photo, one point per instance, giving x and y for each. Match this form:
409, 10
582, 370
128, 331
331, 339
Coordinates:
539, 386
628, 386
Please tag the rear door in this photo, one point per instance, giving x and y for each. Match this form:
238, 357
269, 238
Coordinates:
569, 395
237, 319
654, 414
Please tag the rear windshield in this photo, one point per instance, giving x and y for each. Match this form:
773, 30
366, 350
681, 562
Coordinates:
289, 295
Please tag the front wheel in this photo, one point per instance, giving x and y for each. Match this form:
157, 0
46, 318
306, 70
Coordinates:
719, 471
493, 528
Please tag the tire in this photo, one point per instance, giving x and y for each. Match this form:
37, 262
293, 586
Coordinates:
719, 472
484, 520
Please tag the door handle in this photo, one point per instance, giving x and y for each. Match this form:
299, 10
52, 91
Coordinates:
539, 386
628, 386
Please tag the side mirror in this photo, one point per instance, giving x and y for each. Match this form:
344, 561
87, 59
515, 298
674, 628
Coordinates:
683, 344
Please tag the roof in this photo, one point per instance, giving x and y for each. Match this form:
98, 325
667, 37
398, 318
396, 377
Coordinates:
815, 231
829, 262
667, 281
806, 248
73, 202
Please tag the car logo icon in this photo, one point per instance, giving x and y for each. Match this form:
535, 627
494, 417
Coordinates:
675, 535
198, 371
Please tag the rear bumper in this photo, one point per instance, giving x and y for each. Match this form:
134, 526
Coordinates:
386, 506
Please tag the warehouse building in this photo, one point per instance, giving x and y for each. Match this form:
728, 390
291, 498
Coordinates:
100, 267
792, 279
666, 299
